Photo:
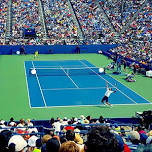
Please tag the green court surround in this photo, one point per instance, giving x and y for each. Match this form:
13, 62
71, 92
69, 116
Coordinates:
14, 97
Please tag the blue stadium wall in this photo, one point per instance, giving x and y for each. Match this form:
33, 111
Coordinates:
56, 49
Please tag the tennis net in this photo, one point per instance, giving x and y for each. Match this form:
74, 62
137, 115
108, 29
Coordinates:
64, 71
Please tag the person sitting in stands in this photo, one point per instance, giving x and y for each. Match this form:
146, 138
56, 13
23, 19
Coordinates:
21, 126
69, 146
52, 145
100, 139
69, 127
12, 122
72, 136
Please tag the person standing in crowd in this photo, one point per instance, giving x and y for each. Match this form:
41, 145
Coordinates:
77, 50
69, 146
118, 65
124, 62
135, 67
22, 50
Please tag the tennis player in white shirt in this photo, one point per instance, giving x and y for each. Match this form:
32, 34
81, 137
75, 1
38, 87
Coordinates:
107, 95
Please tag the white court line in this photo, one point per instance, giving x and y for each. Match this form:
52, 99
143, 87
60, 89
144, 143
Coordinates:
40, 87
27, 87
71, 66
98, 105
129, 88
89, 88
111, 84
69, 77
55, 60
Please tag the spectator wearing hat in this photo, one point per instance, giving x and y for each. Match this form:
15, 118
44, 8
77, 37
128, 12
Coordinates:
82, 118
17, 144
32, 143
12, 123
134, 138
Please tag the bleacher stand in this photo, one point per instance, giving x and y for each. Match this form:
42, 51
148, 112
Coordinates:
25, 15
3, 19
126, 136
92, 22
59, 21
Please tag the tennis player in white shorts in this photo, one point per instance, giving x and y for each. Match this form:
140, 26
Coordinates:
107, 95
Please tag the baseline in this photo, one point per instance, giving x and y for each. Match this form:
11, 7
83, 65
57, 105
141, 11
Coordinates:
111, 84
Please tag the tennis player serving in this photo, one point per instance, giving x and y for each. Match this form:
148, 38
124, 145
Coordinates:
107, 95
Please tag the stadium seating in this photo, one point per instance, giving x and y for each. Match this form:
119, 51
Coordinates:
25, 14
131, 130
65, 20
3, 19
59, 22
73, 22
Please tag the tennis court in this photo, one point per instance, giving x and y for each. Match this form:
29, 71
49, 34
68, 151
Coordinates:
73, 83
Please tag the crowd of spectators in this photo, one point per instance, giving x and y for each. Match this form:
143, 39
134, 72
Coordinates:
61, 25
141, 28
120, 12
83, 134
3, 19
25, 15
59, 21
135, 54
138, 38
92, 22
129, 9
113, 9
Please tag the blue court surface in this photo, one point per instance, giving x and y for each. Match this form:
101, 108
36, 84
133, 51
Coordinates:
73, 83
